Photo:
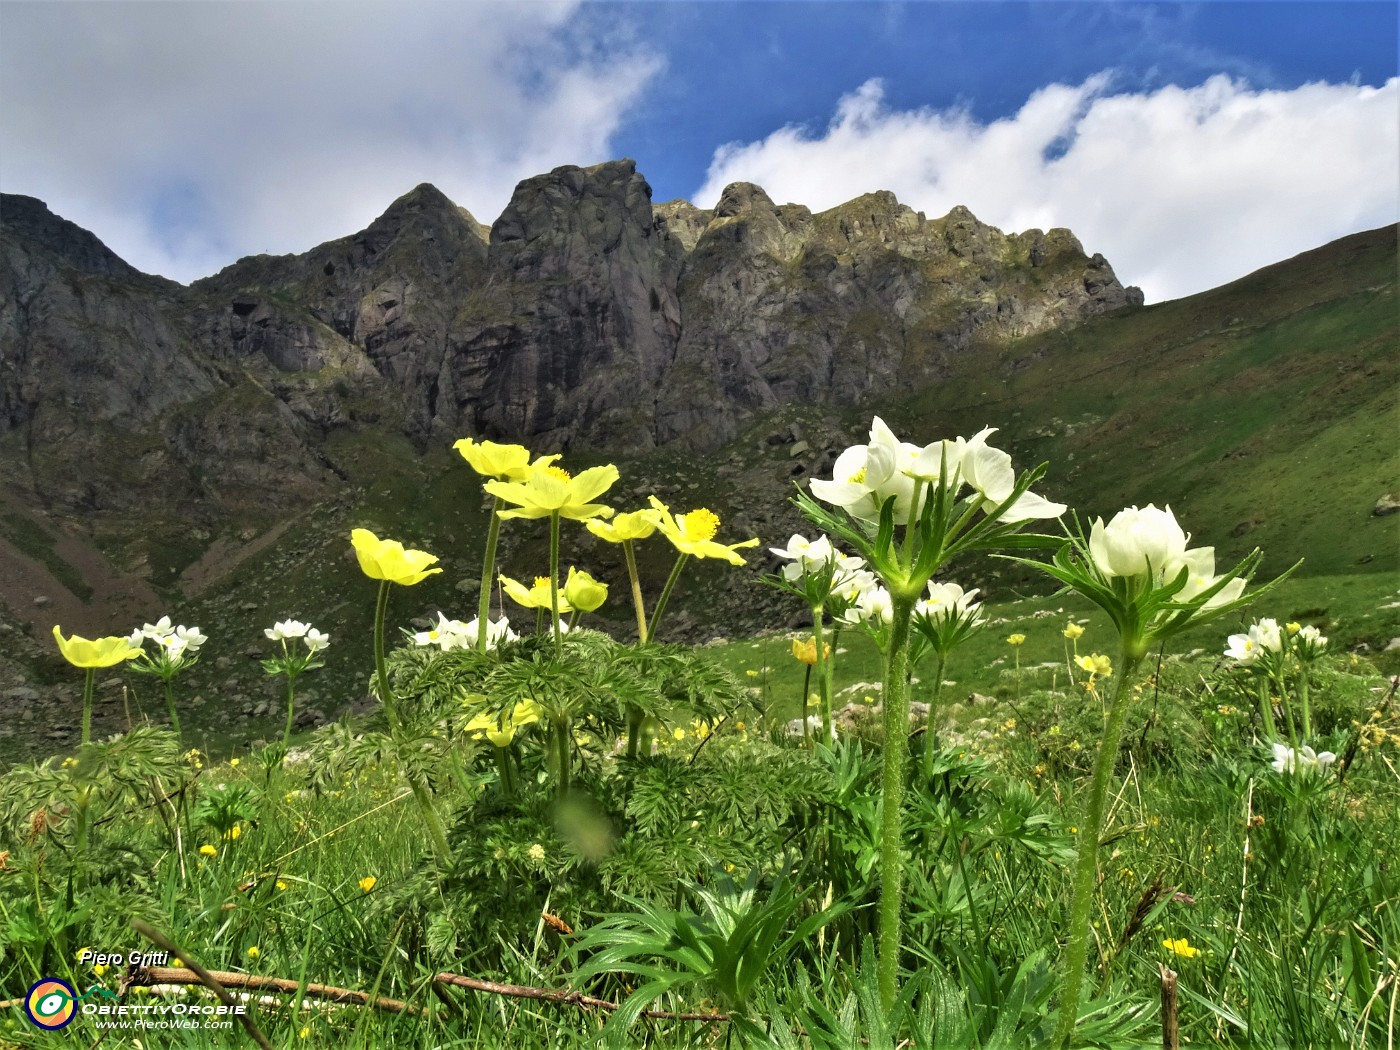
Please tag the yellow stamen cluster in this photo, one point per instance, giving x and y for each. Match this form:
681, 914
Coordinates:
857, 477
699, 524
558, 472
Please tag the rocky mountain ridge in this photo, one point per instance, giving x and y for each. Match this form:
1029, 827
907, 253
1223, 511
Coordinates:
151, 416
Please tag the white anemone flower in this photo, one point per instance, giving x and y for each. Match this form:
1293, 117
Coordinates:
446, 634
865, 476
316, 640
947, 601
1267, 634
1243, 649
804, 556
1304, 760
1138, 541
191, 637
159, 630
497, 631
873, 605
286, 630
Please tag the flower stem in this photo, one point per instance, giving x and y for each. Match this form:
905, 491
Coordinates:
631, 556
381, 672
170, 704
823, 682
666, 594
483, 605
561, 739
1266, 710
1303, 701
291, 702
506, 773
896, 699
1086, 864
87, 704
554, 582
415, 781
930, 722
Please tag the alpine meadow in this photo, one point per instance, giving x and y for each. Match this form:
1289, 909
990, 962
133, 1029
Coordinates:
633, 624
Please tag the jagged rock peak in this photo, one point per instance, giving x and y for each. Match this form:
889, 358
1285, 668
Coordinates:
426, 201
596, 203
31, 220
740, 198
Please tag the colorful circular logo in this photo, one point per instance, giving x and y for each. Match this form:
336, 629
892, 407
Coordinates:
50, 1003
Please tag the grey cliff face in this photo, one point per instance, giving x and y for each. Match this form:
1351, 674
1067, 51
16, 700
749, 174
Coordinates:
589, 317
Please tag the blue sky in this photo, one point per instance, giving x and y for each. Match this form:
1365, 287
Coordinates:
1189, 143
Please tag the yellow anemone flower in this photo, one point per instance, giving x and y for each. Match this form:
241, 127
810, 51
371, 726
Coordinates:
1016, 639
1181, 946
582, 591
102, 652
693, 533
552, 490
637, 525
536, 597
506, 462
1073, 630
806, 652
208, 851
368, 883
1096, 664
499, 732
388, 560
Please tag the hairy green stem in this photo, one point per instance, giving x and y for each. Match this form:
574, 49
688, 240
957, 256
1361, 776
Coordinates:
930, 720
666, 594
507, 774
170, 704
823, 682
1086, 863
635, 716
291, 701
554, 582
87, 703
561, 735
1303, 700
1266, 710
483, 605
636, 579
896, 700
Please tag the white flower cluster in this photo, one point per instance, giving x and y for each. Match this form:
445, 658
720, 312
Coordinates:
454, 634
289, 630
1266, 636
176, 642
1303, 760
864, 477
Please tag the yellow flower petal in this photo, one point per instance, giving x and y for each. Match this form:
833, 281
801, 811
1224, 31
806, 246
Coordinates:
636, 525
101, 652
388, 560
693, 533
546, 492
507, 462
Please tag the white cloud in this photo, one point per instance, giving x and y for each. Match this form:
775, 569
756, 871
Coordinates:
1182, 189
187, 135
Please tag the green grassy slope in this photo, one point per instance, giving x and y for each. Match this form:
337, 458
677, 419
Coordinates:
1264, 411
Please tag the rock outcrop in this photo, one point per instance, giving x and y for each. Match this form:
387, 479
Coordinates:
588, 316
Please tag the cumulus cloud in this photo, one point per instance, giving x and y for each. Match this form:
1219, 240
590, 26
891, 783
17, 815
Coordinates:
187, 135
1181, 188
